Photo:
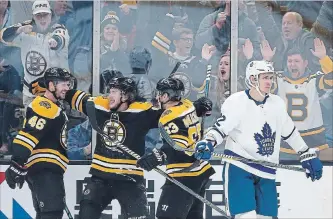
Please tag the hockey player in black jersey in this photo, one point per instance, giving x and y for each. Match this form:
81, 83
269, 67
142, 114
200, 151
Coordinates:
114, 172
39, 150
180, 120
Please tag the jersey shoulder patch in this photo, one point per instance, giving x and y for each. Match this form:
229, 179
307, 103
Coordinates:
175, 112
45, 107
139, 106
101, 102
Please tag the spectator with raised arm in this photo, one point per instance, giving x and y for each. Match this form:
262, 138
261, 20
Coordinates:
294, 36
301, 89
43, 44
215, 30
192, 70
113, 45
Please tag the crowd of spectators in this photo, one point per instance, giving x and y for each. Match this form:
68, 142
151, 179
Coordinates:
195, 33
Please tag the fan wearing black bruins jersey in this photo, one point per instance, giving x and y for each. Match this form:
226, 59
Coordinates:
180, 120
39, 150
114, 172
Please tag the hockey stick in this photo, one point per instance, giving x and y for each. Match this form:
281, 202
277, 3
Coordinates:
174, 69
173, 144
68, 212
207, 84
91, 112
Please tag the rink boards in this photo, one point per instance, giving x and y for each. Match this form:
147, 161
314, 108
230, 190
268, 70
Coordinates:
298, 197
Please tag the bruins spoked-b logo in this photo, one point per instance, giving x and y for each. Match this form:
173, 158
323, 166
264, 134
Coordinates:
116, 131
265, 141
35, 63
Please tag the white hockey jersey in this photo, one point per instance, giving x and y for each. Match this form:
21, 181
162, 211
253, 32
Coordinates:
254, 130
301, 98
36, 55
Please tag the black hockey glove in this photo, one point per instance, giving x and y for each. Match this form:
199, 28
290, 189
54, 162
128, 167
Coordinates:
203, 106
15, 175
151, 160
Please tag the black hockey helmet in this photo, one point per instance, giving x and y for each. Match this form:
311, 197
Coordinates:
174, 87
56, 74
140, 58
126, 85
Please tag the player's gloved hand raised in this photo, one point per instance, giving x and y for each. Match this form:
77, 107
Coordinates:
203, 106
151, 160
15, 175
203, 150
312, 164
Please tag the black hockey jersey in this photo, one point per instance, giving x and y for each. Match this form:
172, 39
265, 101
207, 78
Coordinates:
41, 144
128, 127
183, 126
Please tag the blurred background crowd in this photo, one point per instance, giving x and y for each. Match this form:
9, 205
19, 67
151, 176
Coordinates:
296, 36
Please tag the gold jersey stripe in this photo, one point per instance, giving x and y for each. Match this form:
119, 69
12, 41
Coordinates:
22, 143
49, 160
51, 151
113, 161
32, 138
162, 37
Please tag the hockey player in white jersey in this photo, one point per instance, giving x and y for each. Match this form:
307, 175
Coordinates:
254, 122
43, 44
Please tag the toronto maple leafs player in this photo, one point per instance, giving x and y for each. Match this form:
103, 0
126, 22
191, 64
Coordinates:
255, 121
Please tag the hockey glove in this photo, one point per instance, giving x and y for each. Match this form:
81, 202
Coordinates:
151, 160
203, 150
203, 106
312, 164
15, 175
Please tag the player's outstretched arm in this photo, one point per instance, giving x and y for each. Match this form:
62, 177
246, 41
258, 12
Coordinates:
77, 99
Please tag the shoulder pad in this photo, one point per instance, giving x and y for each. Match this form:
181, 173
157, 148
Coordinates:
45, 107
101, 102
140, 106
176, 111
187, 102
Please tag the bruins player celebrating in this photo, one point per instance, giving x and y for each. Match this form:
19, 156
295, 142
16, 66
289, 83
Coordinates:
39, 151
180, 120
114, 172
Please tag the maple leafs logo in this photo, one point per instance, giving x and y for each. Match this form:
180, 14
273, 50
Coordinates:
265, 141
